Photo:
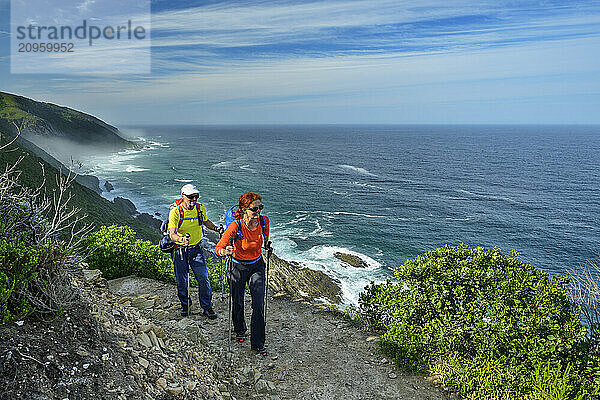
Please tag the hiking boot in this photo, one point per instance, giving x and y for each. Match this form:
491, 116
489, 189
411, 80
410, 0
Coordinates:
210, 313
184, 311
240, 337
261, 352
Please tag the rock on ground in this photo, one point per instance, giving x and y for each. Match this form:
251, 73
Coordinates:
105, 346
125, 339
314, 353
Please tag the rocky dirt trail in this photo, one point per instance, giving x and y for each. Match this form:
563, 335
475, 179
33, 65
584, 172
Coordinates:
314, 354
125, 339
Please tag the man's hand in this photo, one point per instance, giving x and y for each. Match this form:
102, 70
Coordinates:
185, 240
219, 229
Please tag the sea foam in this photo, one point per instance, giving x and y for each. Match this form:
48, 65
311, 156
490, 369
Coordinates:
222, 164
356, 169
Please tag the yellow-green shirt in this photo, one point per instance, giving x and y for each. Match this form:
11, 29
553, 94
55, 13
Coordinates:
190, 223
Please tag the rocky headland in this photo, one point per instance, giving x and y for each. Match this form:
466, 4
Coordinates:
46, 120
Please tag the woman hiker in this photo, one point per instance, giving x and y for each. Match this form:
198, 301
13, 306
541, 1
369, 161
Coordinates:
247, 266
185, 229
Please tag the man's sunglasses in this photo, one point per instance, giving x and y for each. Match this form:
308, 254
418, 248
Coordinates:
256, 208
192, 197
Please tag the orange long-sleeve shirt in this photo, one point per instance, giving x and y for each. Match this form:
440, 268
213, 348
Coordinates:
250, 246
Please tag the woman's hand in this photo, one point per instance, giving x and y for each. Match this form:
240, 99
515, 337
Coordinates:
227, 251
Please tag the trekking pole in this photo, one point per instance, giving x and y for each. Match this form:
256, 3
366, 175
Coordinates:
269, 251
187, 259
230, 265
221, 263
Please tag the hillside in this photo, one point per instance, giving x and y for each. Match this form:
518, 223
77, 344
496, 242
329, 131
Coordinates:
48, 120
99, 210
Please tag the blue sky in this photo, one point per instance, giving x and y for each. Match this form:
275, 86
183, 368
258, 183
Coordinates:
376, 61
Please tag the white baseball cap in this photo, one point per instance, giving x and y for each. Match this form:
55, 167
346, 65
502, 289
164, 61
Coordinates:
189, 190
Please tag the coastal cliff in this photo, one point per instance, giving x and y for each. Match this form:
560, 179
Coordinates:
47, 120
35, 172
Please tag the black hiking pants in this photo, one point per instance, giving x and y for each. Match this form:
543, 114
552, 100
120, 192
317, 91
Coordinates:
254, 275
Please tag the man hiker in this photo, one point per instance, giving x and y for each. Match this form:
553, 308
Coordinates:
185, 229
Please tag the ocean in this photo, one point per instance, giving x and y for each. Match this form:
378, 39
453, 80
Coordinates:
383, 193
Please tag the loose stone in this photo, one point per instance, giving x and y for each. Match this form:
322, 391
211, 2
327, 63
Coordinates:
143, 362
174, 390
161, 383
145, 340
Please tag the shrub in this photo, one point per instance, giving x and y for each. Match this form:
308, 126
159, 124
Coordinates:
216, 273
584, 289
490, 324
39, 238
17, 265
117, 252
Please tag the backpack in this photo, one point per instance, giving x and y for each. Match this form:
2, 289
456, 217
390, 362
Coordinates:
166, 244
229, 218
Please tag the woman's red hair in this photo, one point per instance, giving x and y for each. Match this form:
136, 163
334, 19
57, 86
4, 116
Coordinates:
245, 200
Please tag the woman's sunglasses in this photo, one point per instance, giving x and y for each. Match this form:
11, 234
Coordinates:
256, 208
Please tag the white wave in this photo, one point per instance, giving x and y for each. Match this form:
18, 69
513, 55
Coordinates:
112, 162
325, 252
368, 185
184, 180
299, 218
319, 231
155, 145
356, 169
159, 144
133, 168
352, 280
458, 219
359, 214
321, 258
128, 152
222, 164
246, 167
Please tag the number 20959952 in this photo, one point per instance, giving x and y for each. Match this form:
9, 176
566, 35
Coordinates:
46, 47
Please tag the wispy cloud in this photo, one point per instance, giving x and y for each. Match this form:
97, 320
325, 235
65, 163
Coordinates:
375, 57
243, 32
85, 6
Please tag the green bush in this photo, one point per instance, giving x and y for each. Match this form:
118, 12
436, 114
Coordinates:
18, 262
32, 277
216, 273
491, 325
117, 252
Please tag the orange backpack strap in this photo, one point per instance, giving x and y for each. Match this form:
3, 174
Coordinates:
181, 216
